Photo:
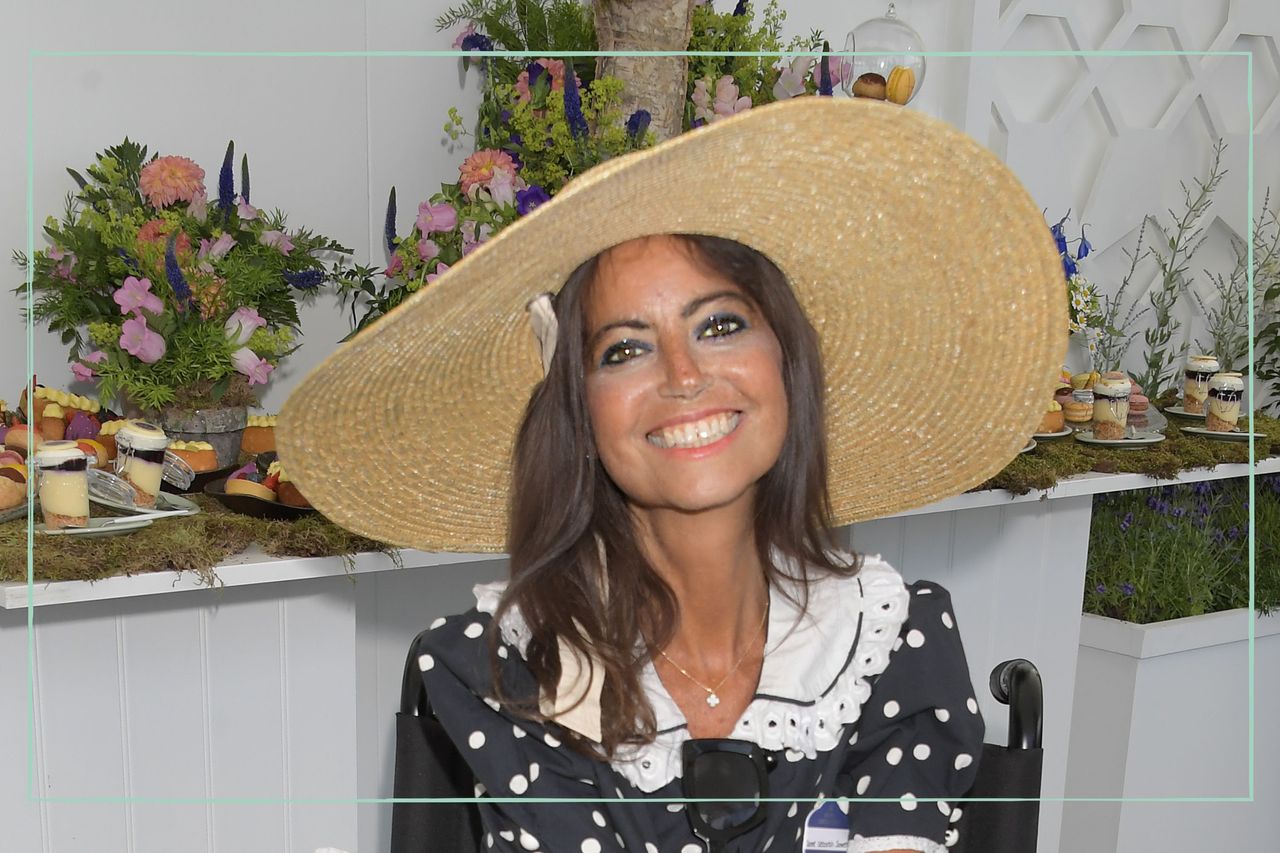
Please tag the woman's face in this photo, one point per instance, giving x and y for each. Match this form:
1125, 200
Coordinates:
683, 379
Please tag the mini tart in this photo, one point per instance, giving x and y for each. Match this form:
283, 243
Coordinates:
250, 488
107, 436
260, 435
20, 438
14, 472
288, 494
53, 422
93, 447
200, 455
1077, 412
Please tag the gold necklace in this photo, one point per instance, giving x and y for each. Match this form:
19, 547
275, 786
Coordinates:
712, 698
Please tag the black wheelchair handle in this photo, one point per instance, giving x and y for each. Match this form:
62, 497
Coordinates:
1016, 683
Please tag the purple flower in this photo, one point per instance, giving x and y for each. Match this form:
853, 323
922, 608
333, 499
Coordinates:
740, 9
434, 218
246, 211
440, 270
1100, 589
246, 361
573, 104
1085, 247
82, 373
140, 342
530, 198
534, 70
428, 249
244, 178
637, 124
1127, 588
215, 249
469, 29
1068, 266
304, 279
95, 357
791, 79
1060, 235
824, 71
198, 207
476, 41
135, 295
1126, 522
1233, 533
278, 240
242, 323
1178, 512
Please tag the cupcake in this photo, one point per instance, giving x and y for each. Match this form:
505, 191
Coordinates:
1195, 385
21, 439
1111, 406
1225, 393
1078, 411
200, 455
53, 426
1053, 420
107, 436
260, 434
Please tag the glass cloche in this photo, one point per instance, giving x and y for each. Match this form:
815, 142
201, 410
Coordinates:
889, 61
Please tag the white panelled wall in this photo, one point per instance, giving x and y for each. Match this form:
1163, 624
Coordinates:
208, 697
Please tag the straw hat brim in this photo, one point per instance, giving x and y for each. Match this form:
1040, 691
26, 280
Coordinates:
919, 257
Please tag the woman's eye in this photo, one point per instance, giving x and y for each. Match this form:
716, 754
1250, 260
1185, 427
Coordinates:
622, 351
720, 325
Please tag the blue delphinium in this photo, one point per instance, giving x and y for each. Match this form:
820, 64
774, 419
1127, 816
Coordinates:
637, 124
128, 261
227, 182
181, 290
1127, 588
741, 8
389, 224
824, 71
477, 41
304, 279
1126, 522
573, 105
244, 177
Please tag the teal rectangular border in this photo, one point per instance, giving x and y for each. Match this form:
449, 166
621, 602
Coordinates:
34, 54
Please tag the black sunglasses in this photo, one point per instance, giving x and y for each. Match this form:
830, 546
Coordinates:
722, 767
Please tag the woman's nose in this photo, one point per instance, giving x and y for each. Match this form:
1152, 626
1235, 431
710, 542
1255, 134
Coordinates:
683, 375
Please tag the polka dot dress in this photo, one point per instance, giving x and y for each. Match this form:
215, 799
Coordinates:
911, 733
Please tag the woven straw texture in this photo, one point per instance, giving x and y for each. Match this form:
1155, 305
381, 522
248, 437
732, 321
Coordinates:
926, 268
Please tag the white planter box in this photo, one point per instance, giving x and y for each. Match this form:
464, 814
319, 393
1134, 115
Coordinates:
1162, 711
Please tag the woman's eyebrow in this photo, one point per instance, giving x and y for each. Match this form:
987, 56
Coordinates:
689, 310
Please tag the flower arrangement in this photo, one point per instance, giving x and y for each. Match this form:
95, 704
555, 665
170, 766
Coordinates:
164, 296
542, 122
1084, 311
1182, 550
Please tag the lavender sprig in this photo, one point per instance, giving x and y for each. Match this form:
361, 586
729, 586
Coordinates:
573, 105
824, 71
226, 182
389, 224
304, 279
244, 177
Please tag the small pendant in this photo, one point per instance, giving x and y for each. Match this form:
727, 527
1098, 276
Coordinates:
713, 700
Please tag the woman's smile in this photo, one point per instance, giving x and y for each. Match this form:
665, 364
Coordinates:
703, 431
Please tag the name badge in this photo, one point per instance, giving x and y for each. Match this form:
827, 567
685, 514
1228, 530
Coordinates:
827, 827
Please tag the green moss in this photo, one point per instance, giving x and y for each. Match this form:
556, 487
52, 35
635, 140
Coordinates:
191, 544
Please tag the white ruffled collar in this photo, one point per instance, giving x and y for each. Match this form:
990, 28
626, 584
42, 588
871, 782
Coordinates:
813, 681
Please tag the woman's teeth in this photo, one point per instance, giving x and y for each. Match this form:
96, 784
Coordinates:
696, 433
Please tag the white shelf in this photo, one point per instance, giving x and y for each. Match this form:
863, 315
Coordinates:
254, 567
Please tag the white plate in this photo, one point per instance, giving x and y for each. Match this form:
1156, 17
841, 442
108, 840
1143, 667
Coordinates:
165, 502
1221, 436
1183, 413
1141, 439
1031, 445
99, 527
1062, 433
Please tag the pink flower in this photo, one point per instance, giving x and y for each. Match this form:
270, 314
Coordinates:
702, 102
198, 209
473, 236
554, 67
727, 101
67, 260
478, 169
838, 66
157, 231
140, 342
245, 211
135, 295
242, 323
246, 361
168, 179
436, 217
278, 240
791, 80
503, 186
440, 270
216, 248
395, 267
468, 30
427, 249
81, 368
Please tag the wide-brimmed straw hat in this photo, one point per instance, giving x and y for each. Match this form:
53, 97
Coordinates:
921, 260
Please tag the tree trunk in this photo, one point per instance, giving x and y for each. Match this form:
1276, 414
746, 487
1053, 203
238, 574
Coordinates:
653, 83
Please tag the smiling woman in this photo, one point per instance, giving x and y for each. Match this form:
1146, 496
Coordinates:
677, 618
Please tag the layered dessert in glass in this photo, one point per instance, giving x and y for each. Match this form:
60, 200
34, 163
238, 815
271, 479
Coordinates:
1111, 406
140, 459
1195, 386
63, 470
1226, 390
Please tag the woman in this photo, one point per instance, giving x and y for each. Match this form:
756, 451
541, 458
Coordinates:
672, 571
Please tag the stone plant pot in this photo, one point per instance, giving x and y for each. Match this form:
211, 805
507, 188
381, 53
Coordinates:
223, 428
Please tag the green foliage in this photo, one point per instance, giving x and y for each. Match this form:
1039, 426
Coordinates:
532, 27
111, 231
1266, 289
1182, 550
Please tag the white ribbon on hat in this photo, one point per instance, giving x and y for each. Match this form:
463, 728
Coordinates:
542, 315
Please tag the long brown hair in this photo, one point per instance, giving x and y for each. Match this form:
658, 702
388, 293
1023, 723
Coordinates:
564, 503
